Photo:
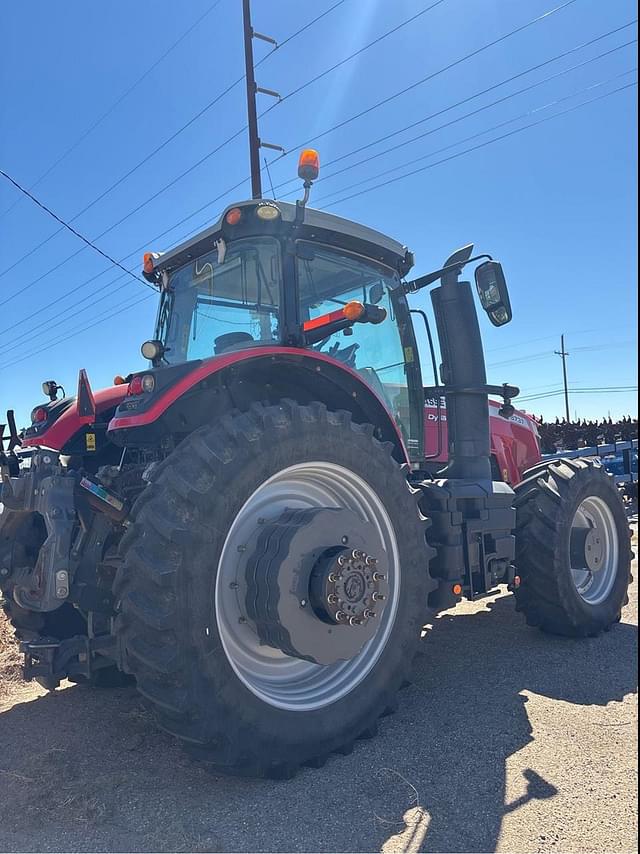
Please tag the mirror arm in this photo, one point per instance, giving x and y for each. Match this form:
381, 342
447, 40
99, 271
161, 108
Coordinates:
429, 278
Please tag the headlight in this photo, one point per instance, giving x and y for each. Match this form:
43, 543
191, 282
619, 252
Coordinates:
152, 350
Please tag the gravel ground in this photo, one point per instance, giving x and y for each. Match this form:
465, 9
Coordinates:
509, 740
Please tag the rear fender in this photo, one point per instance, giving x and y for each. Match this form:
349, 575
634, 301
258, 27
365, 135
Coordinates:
234, 381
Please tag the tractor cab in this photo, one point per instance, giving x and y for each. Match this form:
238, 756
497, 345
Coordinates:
268, 276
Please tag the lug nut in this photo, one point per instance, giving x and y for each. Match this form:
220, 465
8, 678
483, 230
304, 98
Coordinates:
332, 598
379, 576
371, 561
341, 560
333, 577
356, 554
368, 613
378, 597
354, 621
340, 615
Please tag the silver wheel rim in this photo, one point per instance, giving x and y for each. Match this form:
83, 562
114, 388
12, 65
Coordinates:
276, 678
595, 586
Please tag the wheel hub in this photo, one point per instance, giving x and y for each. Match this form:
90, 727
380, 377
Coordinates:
346, 588
587, 548
308, 596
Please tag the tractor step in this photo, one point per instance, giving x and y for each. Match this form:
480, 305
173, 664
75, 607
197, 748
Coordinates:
49, 661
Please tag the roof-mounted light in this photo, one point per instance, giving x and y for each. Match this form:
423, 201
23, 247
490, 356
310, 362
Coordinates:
268, 212
149, 266
233, 216
148, 263
309, 165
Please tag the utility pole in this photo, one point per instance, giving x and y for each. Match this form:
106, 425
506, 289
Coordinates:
562, 352
252, 89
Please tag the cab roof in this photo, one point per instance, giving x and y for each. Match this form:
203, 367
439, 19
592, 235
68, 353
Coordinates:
318, 225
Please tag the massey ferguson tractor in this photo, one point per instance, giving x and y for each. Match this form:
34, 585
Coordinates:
257, 526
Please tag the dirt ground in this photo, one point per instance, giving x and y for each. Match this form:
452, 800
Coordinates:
509, 740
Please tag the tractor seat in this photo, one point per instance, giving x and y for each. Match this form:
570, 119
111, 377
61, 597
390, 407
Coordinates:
231, 340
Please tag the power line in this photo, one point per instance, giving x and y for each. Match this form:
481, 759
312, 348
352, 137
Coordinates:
458, 119
481, 145
536, 340
71, 228
20, 341
304, 86
560, 391
299, 89
473, 136
106, 270
361, 50
241, 182
437, 73
531, 356
547, 354
65, 311
501, 83
452, 106
116, 103
166, 142
315, 20
543, 354
73, 334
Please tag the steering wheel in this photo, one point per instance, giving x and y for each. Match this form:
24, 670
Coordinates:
347, 355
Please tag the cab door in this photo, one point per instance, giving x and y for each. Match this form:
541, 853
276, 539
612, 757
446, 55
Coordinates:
384, 354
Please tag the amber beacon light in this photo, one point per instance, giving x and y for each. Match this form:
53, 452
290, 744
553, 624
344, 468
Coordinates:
309, 165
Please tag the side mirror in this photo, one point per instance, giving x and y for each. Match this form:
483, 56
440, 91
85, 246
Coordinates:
493, 292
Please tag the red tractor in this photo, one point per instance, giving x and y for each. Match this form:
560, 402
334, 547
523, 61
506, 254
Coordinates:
258, 525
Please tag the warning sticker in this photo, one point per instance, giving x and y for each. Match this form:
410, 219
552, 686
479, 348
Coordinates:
90, 441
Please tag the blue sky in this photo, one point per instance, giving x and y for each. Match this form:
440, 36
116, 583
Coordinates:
555, 203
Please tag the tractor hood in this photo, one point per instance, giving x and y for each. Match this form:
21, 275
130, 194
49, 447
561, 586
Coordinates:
63, 423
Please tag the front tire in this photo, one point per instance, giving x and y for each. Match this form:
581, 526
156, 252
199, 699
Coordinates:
573, 550
245, 701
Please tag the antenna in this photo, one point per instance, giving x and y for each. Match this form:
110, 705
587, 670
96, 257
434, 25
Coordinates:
255, 143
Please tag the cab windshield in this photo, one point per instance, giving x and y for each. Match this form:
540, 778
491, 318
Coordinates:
226, 299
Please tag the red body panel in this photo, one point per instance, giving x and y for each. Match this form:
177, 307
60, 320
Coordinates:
218, 363
514, 441
64, 428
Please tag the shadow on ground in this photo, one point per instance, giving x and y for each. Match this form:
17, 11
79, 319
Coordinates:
85, 769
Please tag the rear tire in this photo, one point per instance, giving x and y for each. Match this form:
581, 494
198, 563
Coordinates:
555, 504
178, 640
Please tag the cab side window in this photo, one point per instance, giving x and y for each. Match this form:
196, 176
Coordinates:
327, 280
